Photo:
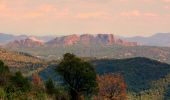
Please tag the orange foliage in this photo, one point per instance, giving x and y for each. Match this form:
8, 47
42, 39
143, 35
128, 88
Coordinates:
111, 87
36, 80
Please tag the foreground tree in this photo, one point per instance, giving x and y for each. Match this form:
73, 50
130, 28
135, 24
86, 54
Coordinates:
4, 73
20, 82
111, 87
50, 87
80, 76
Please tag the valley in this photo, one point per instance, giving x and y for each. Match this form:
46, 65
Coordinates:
145, 69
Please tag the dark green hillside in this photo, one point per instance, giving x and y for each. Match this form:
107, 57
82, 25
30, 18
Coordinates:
138, 72
146, 79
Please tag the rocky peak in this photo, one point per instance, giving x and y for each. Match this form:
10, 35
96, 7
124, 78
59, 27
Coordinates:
104, 39
28, 42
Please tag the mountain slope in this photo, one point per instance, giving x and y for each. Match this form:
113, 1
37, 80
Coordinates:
146, 79
138, 72
21, 61
159, 39
87, 39
116, 51
28, 42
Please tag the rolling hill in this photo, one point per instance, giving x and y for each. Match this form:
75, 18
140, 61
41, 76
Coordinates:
93, 50
21, 61
146, 79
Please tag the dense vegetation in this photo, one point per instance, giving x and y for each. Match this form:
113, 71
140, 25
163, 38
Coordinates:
14, 86
79, 76
146, 79
79, 82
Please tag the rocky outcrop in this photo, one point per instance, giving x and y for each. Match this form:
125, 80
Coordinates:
28, 42
87, 39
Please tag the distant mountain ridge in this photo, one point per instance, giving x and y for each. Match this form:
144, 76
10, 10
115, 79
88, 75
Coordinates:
159, 39
6, 38
28, 42
85, 39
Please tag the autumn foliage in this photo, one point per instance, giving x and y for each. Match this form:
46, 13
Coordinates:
111, 87
37, 81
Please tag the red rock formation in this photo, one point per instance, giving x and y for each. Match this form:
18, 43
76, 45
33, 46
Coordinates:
28, 42
70, 40
87, 39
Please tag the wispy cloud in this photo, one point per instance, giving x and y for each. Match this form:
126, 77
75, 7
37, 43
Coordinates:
137, 13
74, 15
168, 1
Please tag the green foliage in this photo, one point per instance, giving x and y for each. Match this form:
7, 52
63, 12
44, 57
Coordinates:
41, 96
2, 93
80, 76
3, 68
50, 86
4, 73
21, 83
17, 87
146, 79
55, 91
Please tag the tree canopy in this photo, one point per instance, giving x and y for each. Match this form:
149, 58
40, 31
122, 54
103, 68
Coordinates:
4, 72
79, 76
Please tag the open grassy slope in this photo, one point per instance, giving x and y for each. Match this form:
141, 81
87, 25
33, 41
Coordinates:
21, 61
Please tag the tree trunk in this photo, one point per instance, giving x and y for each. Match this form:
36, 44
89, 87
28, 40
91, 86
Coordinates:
75, 95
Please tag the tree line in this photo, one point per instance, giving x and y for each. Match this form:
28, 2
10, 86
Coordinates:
80, 82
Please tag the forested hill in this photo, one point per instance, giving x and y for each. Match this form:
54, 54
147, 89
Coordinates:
145, 78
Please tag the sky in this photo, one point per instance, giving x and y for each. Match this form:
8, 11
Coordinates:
63, 17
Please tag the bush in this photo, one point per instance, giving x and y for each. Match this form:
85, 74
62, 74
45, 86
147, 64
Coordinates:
4, 74
50, 87
21, 83
2, 94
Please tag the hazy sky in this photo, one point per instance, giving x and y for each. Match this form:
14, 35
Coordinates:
61, 17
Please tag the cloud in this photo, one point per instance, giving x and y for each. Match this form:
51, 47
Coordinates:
166, 1
134, 13
167, 7
74, 15
137, 13
3, 7
93, 15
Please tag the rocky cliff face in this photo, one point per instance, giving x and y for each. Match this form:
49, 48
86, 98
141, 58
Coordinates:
84, 39
28, 42
104, 39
